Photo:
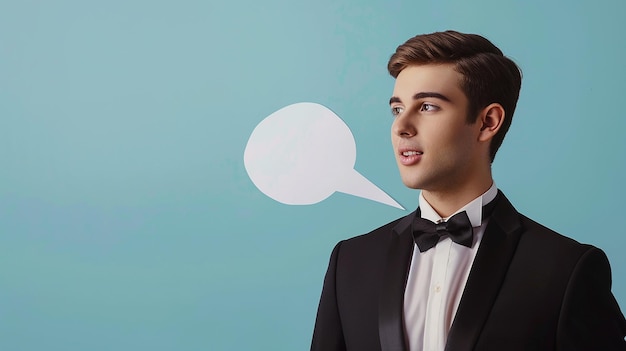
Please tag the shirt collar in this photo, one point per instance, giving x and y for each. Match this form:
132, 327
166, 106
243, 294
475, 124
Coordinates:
474, 208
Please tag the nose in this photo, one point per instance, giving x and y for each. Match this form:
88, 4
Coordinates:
403, 126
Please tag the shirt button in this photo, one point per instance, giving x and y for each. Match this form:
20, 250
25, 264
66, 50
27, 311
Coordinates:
437, 288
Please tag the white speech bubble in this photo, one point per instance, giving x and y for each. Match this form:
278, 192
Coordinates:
303, 153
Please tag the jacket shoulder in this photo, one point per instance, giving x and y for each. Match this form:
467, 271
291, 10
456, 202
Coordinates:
378, 237
543, 238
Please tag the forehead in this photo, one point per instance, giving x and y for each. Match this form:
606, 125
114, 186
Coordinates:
440, 78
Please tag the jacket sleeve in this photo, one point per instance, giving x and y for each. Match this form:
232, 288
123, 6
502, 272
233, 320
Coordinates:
590, 317
328, 333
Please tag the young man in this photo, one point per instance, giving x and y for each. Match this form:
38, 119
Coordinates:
465, 271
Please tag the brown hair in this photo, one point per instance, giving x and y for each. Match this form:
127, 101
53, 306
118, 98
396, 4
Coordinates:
489, 76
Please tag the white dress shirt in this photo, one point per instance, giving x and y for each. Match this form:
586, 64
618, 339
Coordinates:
437, 279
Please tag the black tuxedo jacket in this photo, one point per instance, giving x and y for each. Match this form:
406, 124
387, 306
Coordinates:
529, 288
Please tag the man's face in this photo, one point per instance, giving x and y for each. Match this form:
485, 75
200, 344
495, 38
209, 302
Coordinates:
435, 148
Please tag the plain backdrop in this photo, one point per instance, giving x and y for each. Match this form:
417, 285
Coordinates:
127, 220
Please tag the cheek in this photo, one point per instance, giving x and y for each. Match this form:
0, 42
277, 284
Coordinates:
462, 144
453, 140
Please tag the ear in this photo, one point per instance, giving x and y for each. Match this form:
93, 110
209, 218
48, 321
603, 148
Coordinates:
490, 119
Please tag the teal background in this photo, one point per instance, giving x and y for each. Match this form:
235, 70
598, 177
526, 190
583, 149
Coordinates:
127, 220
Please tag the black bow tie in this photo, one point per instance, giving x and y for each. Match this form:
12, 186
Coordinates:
459, 228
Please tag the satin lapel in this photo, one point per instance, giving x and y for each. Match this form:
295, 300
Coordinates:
391, 300
486, 276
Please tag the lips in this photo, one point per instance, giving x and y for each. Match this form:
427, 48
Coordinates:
409, 157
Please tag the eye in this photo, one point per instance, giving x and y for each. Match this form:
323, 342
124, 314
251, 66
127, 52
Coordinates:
428, 107
396, 110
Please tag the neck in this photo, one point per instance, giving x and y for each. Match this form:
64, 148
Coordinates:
449, 200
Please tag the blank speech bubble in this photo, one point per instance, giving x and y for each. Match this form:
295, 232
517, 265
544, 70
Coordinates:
303, 153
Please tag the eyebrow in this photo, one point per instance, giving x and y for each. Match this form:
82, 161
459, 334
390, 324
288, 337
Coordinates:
423, 95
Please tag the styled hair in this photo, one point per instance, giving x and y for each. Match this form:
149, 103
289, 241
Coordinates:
488, 76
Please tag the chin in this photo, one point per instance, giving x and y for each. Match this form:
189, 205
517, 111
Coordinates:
412, 183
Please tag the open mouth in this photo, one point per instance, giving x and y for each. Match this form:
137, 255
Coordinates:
409, 157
